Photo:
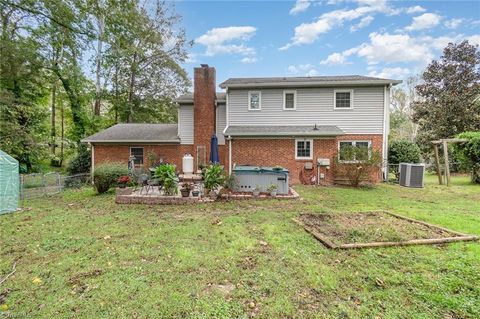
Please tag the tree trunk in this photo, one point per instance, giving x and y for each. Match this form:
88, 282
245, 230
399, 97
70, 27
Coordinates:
75, 105
131, 88
98, 86
62, 131
53, 128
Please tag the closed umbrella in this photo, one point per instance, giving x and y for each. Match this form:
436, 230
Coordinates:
214, 158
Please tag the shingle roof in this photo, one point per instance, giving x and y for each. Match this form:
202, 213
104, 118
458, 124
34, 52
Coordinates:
188, 97
306, 81
137, 133
286, 130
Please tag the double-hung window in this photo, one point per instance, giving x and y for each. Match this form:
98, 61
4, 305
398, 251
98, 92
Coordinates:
254, 100
137, 153
289, 100
343, 99
303, 149
353, 151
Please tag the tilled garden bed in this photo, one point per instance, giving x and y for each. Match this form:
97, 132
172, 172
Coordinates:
375, 229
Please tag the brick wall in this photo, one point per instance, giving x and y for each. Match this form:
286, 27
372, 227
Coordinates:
171, 153
271, 152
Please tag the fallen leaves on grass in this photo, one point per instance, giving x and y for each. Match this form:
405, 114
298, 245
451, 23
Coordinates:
37, 281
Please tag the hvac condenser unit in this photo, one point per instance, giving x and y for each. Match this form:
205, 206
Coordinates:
411, 175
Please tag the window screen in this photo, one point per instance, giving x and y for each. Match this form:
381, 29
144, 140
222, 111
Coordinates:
289, 100
342, 100
344, 154
354, 151
137, 152
304, 149
254, 103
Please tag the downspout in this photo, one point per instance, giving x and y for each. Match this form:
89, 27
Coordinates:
229, 155
386, 113
92, 148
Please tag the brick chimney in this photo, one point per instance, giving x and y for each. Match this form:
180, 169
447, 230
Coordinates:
203, 108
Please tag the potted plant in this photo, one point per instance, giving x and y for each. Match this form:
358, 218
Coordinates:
214, 177
195, 191
185, 190
256, 190
273, 188
167, 177
123, 181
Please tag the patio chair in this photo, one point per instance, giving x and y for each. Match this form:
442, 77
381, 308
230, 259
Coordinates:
143, 182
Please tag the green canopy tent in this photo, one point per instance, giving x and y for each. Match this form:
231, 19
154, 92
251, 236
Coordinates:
9, 183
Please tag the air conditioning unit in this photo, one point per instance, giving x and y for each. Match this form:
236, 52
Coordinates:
411, 175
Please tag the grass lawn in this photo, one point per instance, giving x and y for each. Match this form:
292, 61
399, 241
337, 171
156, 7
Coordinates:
79, 255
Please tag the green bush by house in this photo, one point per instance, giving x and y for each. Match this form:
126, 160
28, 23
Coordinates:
106, 176
403, 151
468, 154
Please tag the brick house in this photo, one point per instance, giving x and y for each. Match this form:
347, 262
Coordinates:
286, 121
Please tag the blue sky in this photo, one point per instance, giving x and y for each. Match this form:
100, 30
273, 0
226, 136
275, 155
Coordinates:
393, 39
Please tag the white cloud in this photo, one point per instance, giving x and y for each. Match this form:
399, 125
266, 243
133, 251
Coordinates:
309, 32
249, 59
302, 69
453, 23
362, 24
300, 6
424, 21
396, 48
334, 59
391, 73
474, 39
219, 41
415, 9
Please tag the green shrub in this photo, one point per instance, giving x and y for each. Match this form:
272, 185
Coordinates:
358, 164
469, 154
166, 175
80, 163
403, 151
214, 176
107, 174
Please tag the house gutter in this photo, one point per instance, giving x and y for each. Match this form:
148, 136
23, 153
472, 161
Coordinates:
386, 116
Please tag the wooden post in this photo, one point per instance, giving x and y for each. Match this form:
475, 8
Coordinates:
437, 161
447, 164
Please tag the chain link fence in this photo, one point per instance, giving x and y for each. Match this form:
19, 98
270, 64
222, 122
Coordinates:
37, 185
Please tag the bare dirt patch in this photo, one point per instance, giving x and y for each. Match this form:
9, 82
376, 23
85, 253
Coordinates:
373, 229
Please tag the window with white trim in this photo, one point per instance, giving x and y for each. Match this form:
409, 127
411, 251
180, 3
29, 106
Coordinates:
353, 151
137, 153
343, 99
289, 100
254, 100
303, 149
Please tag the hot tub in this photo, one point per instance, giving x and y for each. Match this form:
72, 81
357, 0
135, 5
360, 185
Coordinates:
247, 177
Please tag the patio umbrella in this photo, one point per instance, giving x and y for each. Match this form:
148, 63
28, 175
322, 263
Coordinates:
214, 158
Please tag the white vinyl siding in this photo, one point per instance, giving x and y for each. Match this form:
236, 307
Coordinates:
221, 123
314, 106
185, 123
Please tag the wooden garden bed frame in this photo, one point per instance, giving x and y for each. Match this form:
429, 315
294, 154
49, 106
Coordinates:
427, 241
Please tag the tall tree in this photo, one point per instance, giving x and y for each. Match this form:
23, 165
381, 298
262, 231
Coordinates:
145, 52
447, 95
402, 126
23, 96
